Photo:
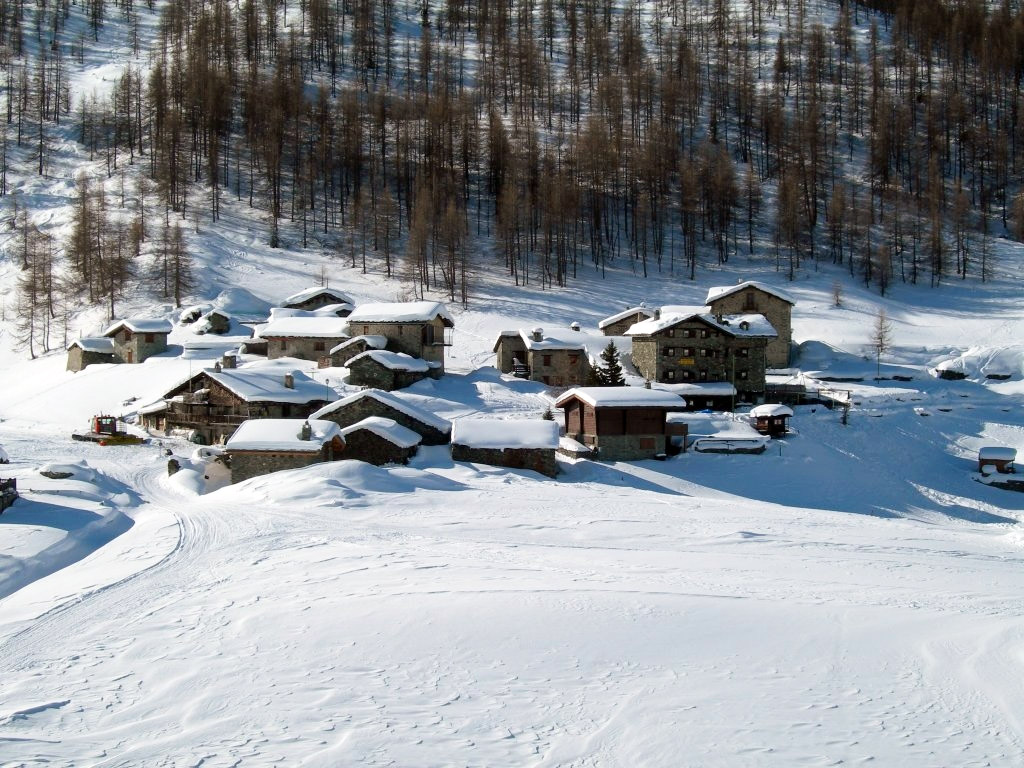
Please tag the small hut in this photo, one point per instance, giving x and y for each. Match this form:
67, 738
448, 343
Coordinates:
262, 446
771, 419
379, 441
389, 370
90, 350
996, 459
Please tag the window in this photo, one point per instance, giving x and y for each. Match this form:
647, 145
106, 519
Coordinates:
574, 359
704, 353
688, 333
670, 375
687, 375
366, 329
749, 301
670, 332
319, 346
742, 352
703, 333
742, 375
547, 360
149, 338
687, 351
669, 351
703, 375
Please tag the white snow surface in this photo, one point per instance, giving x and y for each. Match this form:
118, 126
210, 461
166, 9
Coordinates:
505, 433
94, 344
317, 290
771, 409
139, 325
305, 327
625, 313
389, 429
718, 291
399, 312
282, 435
623, 397
395, 361
396, 401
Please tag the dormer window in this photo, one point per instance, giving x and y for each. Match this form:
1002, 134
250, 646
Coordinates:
749, 301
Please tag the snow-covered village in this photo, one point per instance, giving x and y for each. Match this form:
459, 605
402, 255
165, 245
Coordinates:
636, 383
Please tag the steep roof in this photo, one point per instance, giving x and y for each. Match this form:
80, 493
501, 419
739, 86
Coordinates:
622, 397
388, 429
305, 327
771, 409
259, 386
395, 361
734, 325
282, 435
569, 340
720, 291
94, 344
392, 400
311, 293
401, 312
505, 433
140, 325
624, 314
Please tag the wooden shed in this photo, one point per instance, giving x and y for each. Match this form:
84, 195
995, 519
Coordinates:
996, 459
771, 419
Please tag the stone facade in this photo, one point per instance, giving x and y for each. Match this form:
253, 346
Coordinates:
778, 312
540, 460
300, 347
367, 372
246, 464
554, 363
696, 350
79, 358
364, 407
131, 347
619, 327
425, 340
365, 445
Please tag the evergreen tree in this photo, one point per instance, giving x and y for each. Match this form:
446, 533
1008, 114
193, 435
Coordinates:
609, 372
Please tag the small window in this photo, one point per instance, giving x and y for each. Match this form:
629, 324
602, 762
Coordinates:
574, 359
703, 375
319, 346
687, 375
670, 332
670, 375
703, 333
742, 352
150, 338
704, 353
688, 333
687, 351
669, 351
742, 375
547, 360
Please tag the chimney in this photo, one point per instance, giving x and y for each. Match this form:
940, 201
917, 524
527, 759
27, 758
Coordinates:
538, 334
307, 431
289, 381
657, 314
216, 367
575, 327
229, 361
647, 383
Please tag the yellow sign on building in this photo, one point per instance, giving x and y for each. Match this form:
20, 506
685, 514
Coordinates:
685, 361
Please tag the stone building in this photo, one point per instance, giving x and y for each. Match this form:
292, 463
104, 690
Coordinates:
350, 410
518, 444
215, 321
137, 339
339, 355
261, 446
759, 298
212, 403
302, 336
618, 324
90, 350
389, 370
684, 348
417, 328
379, 441
559, 360
319, 297
620, 423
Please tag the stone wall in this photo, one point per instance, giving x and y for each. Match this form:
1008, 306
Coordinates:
540, 460
619, 327
778, 312
367, 372
133, 347
510, 348
364, 407
246, 464
645, 356
567, 368
409, 338
365, 445
625, 447
301, 348
79, 358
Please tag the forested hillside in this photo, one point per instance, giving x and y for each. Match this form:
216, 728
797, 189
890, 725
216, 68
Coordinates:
432, 140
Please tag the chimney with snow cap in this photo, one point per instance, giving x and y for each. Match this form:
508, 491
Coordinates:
289, 381
657, 314
538, 334
307, 431
229, 361
575, 327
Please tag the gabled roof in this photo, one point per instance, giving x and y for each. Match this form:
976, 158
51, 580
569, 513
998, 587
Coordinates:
505, 433
401, 312
570, 340
139, 325
94, 344
622, 397
305, 327
721, 291
257, 386
311, 293
388, 429
771, 409
391, 400
624, 314
371, 341
282, 435
395, 361
734, 325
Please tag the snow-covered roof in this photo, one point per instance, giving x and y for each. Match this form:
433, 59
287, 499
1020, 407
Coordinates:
372, 342
305, 327
334, 309
622, 397
567, 340
394, 401
395, 361
997, 453
771, 409
260, 386
315, 291
140, 325
282, 435
155, 407
624, 314
697, 388
388, 429
400, 312
505, 433
94, 344
719, 291
664, 319
734, 325
720, 426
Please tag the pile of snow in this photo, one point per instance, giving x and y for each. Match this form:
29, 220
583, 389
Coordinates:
242, 305
980, 363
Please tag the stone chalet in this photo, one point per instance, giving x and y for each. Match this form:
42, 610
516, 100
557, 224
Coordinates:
759, 298
302, 336
318, 297
557, 360
683, 347
621, 423
379, 441
518, 444
213, 403
416, 328
389, 370
618, 324
90, 350
136, 339
339, 355
352, 409
262, 446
